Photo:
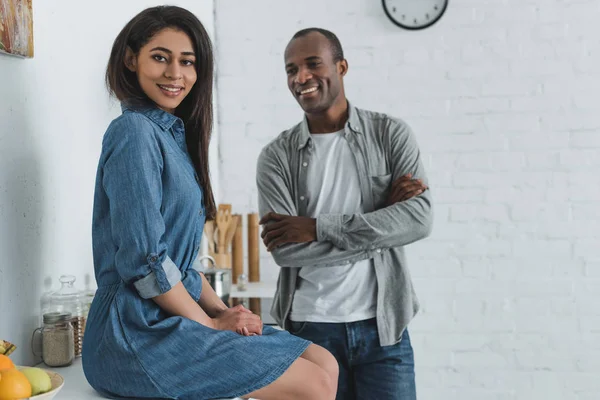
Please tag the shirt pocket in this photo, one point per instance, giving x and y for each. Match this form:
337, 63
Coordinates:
380, 187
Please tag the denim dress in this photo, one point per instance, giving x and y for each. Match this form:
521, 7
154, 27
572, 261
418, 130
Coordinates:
148, 220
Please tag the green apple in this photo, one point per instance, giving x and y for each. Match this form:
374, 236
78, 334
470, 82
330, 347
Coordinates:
39, 380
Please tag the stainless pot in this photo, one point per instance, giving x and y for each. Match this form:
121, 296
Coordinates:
219, 279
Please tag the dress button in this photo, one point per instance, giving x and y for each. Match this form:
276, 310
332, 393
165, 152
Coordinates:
200, 212
154, 259
379, 250
301, 197
305, 164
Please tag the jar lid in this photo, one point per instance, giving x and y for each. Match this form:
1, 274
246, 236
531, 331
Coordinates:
68, 298
67, 288
54, 317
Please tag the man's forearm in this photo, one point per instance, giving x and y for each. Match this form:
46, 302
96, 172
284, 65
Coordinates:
316, 254
397, 225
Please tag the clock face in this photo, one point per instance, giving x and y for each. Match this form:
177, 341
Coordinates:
414, 14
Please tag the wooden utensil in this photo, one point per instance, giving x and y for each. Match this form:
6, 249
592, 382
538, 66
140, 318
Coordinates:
223, 220
237, 251
223, 257
253, 243
230, 232
209, 233
223, 260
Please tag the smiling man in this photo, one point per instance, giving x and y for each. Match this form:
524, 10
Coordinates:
341, 194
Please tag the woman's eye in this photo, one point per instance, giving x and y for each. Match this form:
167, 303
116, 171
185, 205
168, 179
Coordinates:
159, 58
187, 62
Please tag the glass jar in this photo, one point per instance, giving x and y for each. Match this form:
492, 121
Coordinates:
58, 339
68, 299
88, 298
242, 282
45, 306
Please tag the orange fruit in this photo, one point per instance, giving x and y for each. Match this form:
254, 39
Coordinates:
5, 362
14, 385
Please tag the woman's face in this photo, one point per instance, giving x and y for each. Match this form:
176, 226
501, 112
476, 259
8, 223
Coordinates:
165, 68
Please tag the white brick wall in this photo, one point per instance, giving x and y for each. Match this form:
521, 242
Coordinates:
503, 98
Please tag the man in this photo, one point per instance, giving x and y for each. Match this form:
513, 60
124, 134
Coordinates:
341, 194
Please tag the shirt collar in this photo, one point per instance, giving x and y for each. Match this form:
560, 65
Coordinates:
162, 118
352, 123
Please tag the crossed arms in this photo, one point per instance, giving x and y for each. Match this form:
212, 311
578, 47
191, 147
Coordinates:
334, 239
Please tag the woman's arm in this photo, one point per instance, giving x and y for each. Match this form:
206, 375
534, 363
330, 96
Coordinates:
214, 307
210, 302
178, 301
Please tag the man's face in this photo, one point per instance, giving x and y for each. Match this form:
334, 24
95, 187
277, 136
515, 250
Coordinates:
314, 79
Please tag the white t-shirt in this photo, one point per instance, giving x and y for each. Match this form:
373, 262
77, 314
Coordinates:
344, 293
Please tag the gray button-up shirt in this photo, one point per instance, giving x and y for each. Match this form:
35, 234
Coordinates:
384, 149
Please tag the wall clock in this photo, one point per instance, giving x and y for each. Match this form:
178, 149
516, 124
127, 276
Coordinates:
414, 14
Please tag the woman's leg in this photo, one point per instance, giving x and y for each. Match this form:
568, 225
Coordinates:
324, 359
313, 376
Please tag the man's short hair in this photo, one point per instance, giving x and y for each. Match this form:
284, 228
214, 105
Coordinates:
336, 47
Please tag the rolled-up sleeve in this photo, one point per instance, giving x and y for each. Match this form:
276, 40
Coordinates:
132, 179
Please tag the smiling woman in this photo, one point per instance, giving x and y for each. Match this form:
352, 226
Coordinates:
165, 68
156, 328
158, 62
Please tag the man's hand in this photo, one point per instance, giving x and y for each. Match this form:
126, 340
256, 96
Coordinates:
405, 188
281, 229
239, 319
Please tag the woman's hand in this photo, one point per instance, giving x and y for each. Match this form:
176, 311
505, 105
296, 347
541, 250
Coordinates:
240, 320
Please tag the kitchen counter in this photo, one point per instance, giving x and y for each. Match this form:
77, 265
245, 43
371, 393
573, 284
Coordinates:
264, 290
76, 386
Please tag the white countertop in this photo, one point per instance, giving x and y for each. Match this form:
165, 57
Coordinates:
76, 386
265, 290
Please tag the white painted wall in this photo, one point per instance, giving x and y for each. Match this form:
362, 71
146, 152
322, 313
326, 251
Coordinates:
502, 95
54, 109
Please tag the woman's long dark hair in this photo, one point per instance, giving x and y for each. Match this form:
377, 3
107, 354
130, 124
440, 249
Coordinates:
196, 109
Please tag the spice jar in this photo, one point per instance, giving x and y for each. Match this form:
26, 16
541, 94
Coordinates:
68, 299
58, 340
242, 282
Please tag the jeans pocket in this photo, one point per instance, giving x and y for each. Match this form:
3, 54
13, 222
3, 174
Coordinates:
296, 327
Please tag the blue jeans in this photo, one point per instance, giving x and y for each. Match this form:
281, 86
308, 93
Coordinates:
368, 371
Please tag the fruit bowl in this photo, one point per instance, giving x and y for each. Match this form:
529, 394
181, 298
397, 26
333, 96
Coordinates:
57, 383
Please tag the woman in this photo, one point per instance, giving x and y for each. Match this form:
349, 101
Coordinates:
156, 329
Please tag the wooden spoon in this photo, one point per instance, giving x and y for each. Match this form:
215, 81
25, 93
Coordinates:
209, 230
223, 220
231, 231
